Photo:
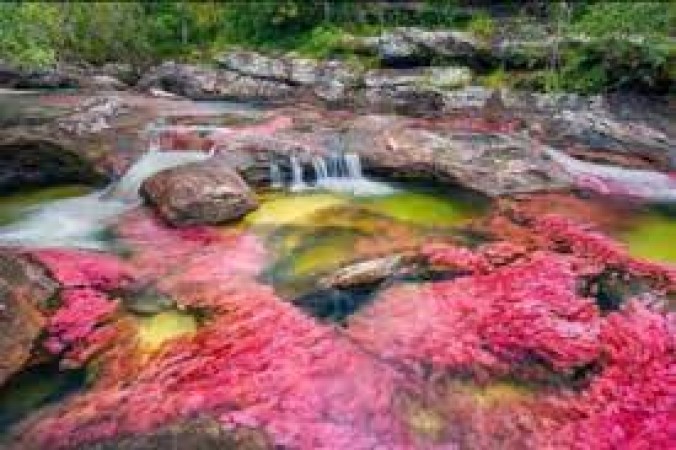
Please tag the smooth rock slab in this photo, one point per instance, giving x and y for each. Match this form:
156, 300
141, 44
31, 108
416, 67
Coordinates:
207, 192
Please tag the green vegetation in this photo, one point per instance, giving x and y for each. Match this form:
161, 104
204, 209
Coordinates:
602, 46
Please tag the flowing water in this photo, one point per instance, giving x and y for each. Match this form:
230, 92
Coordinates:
321, 215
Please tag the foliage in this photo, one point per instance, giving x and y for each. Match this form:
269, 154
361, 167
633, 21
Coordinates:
482, 25
604, 46
26, 33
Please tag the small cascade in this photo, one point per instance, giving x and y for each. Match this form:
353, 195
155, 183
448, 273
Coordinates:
81, 221
353, 164
340, 172
321, 168
149, 164
276, 179
297, 181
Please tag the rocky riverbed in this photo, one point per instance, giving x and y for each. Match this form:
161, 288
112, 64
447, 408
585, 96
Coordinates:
319, 274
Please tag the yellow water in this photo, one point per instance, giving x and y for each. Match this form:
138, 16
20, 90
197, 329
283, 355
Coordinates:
312, 233
654, 238
157, 329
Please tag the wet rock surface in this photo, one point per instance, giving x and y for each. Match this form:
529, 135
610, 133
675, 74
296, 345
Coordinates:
24, 290
366, 273
494, 164
199, 193
27, 159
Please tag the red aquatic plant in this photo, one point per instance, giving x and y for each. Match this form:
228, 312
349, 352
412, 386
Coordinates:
513, 311
632, 402
563, 234
78, 268
487, 323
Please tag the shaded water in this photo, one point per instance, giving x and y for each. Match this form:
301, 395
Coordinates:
36, 387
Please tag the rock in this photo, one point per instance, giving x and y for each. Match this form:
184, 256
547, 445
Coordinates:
412, 91
28, 158
449, 77
193, 434
409, 100
40, 79
405, 47
24, 289
256, 65
103, 83
206, 192
364, 273
93, 115
470, 97
126, 73
204, 83
442, 77
491, 163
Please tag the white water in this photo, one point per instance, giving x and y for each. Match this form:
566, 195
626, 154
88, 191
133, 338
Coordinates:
643, 184
276, 179
81, 221
338, 172
297, 177
148, 165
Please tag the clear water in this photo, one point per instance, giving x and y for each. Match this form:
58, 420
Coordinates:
653, 237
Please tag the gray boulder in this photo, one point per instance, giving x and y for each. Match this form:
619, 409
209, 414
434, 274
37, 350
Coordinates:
207, 192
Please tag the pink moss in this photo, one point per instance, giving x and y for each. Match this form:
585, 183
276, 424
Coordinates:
632, 402
77, 330
513, 311
597, 249
487, 322
75, 268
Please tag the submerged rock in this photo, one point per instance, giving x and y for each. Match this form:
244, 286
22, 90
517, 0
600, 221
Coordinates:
24, 288
365, 272
193, 434
199, 193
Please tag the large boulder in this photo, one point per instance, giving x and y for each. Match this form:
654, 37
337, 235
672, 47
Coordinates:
205, 192
24, 289
367, 273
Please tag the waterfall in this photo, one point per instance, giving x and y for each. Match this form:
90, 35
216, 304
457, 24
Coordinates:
81, 221
353, 164
340, 172
149, 164
297, 181
321, 168
276, 180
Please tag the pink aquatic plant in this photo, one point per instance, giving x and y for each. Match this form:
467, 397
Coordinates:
487, 323
513, 311
78, 268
